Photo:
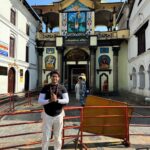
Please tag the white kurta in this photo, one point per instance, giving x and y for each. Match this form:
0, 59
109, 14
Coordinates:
77, 90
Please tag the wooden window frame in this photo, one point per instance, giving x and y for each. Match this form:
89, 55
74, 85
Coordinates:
28, 29
13, 16
12, 47
141, 42
27, 53
139, 2
141, 38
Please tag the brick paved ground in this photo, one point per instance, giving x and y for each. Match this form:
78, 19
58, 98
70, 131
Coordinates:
93, 143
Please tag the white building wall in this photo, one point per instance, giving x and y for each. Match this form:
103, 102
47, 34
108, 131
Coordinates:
33, 74
140, 15
123, 75
132, 46
4, 11
32, 54
23, 17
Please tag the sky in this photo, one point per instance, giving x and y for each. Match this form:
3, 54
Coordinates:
45, 2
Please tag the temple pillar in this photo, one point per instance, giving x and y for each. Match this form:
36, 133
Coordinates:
115, 67
92, 76
114, 19
46, 28
60, 62
40, 65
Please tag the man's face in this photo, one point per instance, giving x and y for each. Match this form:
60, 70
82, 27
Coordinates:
55, 78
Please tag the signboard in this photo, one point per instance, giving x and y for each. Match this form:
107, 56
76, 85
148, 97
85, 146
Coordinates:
3, 49
21, 75
50, 50
104, 50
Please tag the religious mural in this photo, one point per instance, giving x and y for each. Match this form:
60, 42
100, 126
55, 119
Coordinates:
76, 22
104, 61
50, 62
104, 86
77, 18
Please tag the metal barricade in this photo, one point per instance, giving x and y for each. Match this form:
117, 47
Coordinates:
105, 125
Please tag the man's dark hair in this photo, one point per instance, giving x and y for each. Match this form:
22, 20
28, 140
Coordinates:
54, 72
80, 78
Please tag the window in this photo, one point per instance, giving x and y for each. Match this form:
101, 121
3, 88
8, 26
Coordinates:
27, 29
140, 34
142, 77
149, 75
139, 2
134, 77
13, 17
141, 42
27, 54
12, 47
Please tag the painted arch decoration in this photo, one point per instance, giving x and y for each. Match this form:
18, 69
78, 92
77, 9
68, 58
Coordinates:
76, 6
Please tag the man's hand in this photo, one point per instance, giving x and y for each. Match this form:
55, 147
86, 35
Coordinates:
53, 97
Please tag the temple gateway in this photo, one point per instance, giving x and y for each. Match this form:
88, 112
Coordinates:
80, 45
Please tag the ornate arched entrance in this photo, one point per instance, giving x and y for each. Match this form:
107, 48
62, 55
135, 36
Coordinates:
103, 82
76, 62
11, 80
27, 80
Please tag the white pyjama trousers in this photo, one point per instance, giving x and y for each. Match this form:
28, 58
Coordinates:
57, 124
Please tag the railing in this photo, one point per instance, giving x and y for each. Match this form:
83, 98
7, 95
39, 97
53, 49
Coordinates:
119, 34
105, 35
79, 114
9, 101
47, 36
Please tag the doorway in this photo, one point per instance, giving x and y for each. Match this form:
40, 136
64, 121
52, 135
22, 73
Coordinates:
74, 71
104, 82
11, 80
76, 62
27, 81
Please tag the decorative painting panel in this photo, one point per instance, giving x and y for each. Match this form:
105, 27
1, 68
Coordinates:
89, 22
50, 62
76, 22
64, 23
104, 62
